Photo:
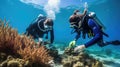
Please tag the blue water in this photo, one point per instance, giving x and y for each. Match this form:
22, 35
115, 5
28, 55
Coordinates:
20, 15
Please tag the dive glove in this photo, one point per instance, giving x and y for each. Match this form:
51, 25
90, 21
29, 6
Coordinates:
72, 44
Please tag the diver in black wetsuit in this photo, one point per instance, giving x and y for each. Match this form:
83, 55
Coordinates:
41, 26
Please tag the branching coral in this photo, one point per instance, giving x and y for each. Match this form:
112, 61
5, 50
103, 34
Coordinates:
36, 55
14, 44
8, 41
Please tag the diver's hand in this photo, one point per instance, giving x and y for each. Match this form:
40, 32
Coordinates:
40, 39
72, 44
79, 48
47, 42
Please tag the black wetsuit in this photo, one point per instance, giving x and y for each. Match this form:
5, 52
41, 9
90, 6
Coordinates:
35, 31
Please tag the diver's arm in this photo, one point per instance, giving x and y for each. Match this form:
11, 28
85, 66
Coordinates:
83, 14
94, 40
85, 10
46, 37
96, 31
51, 36
77, 36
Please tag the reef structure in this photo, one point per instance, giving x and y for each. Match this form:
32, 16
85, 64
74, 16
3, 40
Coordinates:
22, 47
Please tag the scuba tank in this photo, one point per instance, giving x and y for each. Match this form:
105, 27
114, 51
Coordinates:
98, 22
93, 15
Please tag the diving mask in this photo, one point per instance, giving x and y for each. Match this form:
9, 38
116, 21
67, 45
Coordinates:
47, 27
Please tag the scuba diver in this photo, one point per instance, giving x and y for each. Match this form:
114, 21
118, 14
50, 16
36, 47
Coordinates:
41, 26
76, 24
88, 24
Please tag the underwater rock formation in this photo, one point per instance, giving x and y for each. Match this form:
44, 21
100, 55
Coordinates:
69, 51
81, 59
3, 57
21, 46
56, 56
53, 52
12, 62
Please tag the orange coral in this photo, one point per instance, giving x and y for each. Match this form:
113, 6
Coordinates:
8, 40
36, 55
13, 43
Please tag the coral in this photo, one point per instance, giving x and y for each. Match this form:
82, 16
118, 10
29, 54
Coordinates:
80, 60
69, 51
35, 55
10, 41
78, 64
3, 57
54, 53
97, 64
12, 62
21, 46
